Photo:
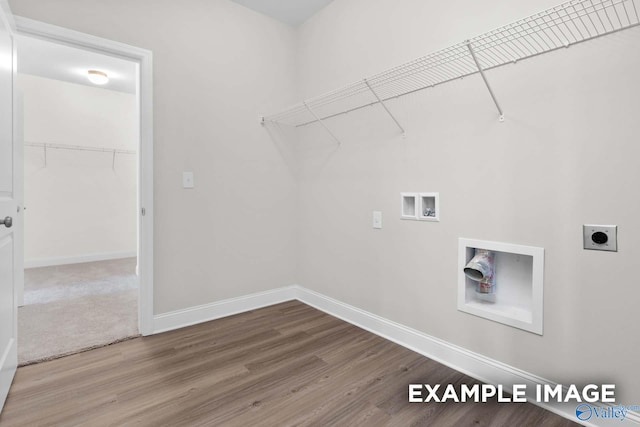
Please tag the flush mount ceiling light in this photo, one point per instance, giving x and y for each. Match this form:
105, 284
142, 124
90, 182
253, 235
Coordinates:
97, 77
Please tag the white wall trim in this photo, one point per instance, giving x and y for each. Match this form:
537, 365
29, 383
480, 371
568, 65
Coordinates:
54, 33
144, 57
473, 364
216, 310
63, 260
8, 19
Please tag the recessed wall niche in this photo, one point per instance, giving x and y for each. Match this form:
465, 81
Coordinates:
429, 207
409, 205
420, 206
518, 272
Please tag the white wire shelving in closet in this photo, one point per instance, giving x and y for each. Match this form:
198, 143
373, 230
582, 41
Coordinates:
48, 146
559, 27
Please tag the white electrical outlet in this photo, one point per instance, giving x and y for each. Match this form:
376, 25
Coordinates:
600, 237
187, 180
377, 219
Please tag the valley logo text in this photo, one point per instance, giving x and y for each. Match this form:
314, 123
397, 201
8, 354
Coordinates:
585, 412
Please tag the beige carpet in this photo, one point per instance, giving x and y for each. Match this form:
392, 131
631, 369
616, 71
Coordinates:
77, 307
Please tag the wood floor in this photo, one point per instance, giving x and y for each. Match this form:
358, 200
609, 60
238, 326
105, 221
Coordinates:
287, 364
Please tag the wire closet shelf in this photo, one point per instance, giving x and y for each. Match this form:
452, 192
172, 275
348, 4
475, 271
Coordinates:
46, 146
559, 27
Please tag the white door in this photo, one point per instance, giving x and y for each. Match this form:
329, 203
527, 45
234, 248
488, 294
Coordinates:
10, 218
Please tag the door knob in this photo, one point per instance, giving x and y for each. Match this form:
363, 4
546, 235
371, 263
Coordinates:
7, 221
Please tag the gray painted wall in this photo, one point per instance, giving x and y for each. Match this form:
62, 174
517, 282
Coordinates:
567, 112
532, 180
87, 191
217, 67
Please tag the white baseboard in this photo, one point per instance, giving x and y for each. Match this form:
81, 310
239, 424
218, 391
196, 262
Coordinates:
473, 364
63, 260
206, 312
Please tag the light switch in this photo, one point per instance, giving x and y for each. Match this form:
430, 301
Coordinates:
377, 219
187, 180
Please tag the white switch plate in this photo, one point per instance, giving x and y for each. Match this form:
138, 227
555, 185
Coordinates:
377, 219
187, 180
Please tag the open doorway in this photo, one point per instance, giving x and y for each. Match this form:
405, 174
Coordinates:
81, 142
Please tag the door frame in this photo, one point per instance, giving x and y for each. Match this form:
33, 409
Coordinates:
9, 352
60, 35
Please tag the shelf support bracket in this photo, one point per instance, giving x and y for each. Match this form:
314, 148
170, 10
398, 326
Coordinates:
404, 133
319, 120
486, 82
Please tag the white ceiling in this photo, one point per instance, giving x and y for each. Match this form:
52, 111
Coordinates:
292, 12
60, 62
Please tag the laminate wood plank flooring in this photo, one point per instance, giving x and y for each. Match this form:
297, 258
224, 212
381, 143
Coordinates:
284, 365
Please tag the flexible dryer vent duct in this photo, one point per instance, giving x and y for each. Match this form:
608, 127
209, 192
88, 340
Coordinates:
482, 270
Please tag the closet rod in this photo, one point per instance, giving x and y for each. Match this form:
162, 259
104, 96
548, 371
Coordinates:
78, 148
46, 146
